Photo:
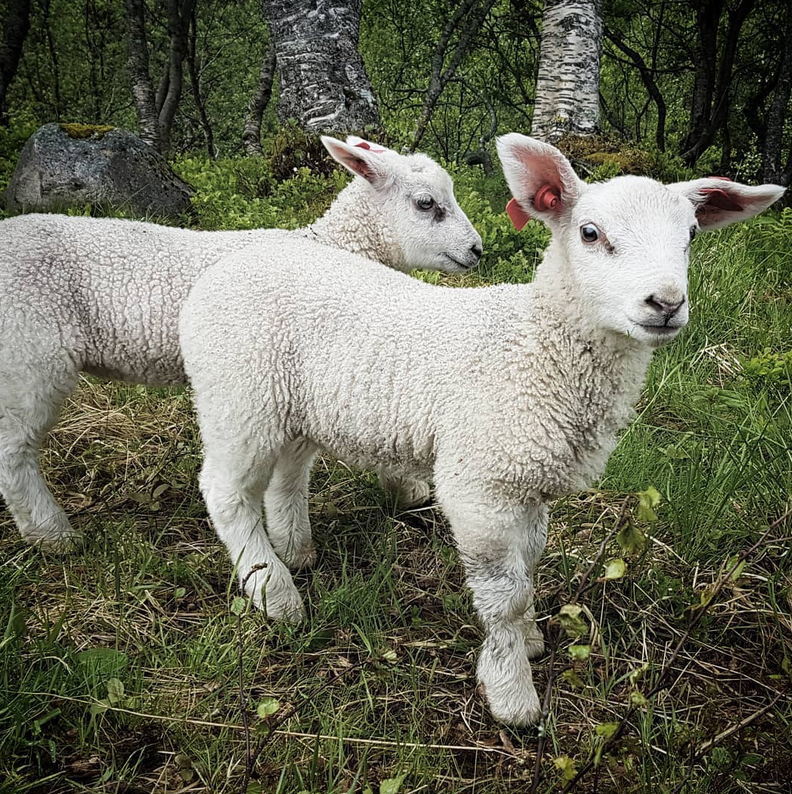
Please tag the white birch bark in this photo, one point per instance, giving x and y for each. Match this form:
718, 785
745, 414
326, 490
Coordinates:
567, 88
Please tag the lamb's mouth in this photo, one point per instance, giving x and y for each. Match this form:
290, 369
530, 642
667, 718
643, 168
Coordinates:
457, 262
661, 330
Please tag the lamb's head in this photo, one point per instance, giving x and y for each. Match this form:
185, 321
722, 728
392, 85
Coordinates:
409, 200
622, 246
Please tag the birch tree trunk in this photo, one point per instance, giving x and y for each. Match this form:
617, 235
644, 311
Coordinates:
567, 87
15, 29
323, 83
138, 68
251, 135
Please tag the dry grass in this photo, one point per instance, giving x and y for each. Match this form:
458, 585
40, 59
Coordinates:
381, 676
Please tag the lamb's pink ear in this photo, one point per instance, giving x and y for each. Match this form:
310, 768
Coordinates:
360, 160
362, 143
719, 201
540, 178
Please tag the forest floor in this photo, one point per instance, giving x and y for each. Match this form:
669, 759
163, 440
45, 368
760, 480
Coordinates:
123, 665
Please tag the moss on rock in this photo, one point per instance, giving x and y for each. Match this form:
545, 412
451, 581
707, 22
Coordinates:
86, 130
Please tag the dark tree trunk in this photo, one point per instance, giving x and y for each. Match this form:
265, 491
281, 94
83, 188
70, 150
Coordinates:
705, 58
195, 82
471, 15
716, 115
138, 68
15, 29
251, 135
772, 170
648, 80
323, 83
179, 15
567, 87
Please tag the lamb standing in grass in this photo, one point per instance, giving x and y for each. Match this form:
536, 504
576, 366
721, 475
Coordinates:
103, 296
508, 396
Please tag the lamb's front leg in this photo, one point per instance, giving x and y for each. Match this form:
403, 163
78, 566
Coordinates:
500, 546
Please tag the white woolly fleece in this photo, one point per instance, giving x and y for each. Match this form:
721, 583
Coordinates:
507, 396
103, 296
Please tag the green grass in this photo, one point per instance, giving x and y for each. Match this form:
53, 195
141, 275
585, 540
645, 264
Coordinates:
381, 676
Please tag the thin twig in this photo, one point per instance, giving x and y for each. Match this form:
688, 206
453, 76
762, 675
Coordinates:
555, 635
242, 698
730, 731
663, 679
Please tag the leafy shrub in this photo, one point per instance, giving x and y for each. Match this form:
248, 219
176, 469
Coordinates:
292, 150
770, 368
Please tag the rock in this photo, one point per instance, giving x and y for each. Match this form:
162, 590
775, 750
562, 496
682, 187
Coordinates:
66, 165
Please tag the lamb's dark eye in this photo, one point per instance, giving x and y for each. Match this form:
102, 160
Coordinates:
693, 232
589, 233
424, 203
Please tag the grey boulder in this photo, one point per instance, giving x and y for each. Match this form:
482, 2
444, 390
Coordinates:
67, 165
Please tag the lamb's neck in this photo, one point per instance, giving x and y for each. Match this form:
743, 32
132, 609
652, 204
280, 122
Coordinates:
355, 222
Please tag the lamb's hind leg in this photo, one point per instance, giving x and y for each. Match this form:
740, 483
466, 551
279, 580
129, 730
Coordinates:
233, 482
29, 407
408, 491
499, 545
286, 505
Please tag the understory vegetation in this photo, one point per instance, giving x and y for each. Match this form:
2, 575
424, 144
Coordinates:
124, 666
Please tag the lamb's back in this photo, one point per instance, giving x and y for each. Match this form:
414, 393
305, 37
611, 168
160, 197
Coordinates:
110, 289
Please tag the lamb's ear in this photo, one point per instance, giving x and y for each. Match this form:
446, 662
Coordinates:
360, 160
719, 201
540, 178
362, 143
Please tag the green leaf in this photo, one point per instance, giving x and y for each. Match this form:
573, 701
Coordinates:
648, 500
566, 766
571, 622
391, 785
737, 572
238, 605
636, 675
638, 699
573, 679
615, 569
606, 729
631, 539
390, 656
115, 690
180, 592
580, 652
267, 706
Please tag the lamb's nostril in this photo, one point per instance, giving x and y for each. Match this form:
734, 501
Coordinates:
666, 308
477, 250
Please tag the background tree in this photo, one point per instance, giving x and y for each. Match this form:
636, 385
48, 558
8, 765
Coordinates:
322, 80
251, 135
567, 87
15, 28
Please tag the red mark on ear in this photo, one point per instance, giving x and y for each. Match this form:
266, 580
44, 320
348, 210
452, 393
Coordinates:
519, 217
720, 200
367, 145
724, 178
546, 198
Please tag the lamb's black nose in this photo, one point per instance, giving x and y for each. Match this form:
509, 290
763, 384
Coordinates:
477, 250
667, 309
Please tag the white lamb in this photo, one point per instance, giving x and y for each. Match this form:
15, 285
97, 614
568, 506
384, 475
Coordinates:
507, 396
103, 296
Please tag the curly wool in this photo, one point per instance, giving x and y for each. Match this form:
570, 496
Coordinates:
507, 396
103, 296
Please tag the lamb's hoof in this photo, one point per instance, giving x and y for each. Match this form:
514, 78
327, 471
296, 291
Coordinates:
302, 558
276, 593
518, 706
58, 540
534, 643
412, 493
